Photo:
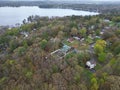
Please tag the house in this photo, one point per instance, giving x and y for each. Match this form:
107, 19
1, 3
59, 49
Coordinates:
91, 64
107, 28
97, 37
101, 32
92, 45
60, 53
65, 48
70, 40
25, 34
75, 50
92, 27
34, 29
106, 20
82, 39
76, 38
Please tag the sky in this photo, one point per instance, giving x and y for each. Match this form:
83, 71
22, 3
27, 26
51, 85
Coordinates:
60, 0
64, 0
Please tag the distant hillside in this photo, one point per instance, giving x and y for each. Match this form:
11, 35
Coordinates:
76, 1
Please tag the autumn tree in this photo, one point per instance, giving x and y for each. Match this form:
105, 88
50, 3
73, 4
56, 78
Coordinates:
74, 31
60, 35
83, 32
116, 66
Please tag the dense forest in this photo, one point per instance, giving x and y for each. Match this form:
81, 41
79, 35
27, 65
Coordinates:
29, 60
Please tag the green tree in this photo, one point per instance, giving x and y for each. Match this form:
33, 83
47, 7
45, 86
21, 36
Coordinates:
102, 43
98, 48
77, 77
102, 57
43, 44
4, 39
97, 32
94, 84
83, 32
116, 66
25, 45
55, 68
117, 50
13, 31
21, 50
13, 45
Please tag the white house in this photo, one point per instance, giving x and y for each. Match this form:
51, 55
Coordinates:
77, 38
25, 34
91, 64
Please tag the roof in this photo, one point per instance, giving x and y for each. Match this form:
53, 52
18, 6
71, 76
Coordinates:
65, 48
77, 38
91, 64
70, 40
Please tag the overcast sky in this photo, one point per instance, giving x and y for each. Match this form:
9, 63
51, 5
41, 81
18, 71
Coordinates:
67, 0
61, 0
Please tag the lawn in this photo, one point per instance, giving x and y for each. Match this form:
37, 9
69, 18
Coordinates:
76, 44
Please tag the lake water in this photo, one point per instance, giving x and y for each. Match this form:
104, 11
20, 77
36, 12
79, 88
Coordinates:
13, 15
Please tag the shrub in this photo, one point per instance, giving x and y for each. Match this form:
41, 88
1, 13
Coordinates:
102, 57
21, 50
29, 74
55, 69
13, 44
13, 31
43, 44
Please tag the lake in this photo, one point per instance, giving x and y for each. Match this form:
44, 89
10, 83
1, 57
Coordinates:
12, 15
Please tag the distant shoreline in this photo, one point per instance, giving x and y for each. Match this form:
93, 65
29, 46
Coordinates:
11, 16
103, 8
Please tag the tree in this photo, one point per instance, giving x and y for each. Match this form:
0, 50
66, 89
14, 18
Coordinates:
117, 50
13, 45
21, 50
13, 31
102, 56
83, 32
60, 35
112, 83
25, 45
89, 39
74, 31
43, 43
98, 48
77, 77
55, 68
81, 58
116, 66
4, 39
24, 21
94, 84
30, 19
102, 43
97, 32
116, 19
